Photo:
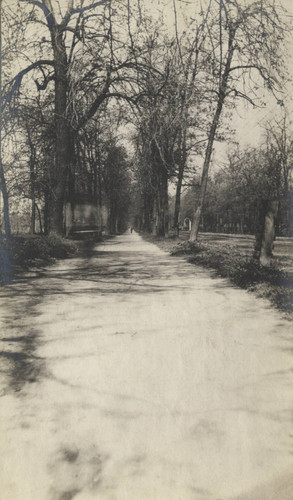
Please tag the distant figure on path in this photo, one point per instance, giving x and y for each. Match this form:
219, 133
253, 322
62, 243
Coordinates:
131, 229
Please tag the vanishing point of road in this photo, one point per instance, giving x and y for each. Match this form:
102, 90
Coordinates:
133, 375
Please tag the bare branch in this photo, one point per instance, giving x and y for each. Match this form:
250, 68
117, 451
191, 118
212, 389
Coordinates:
15, 83
246, 66
44, 84
81, 10
46, 10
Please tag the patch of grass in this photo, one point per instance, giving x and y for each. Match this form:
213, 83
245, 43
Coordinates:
166, 243
230, 261
27, 251
60, 248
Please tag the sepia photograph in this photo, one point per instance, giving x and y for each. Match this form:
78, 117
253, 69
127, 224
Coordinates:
146, 249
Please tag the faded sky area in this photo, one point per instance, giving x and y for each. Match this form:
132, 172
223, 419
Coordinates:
248, 122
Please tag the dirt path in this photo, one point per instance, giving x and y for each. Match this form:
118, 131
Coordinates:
132, 375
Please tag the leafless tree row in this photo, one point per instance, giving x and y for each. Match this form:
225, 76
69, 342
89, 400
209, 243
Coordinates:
85, 68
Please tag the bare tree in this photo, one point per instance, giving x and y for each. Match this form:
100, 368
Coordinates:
246, 51
87, 63
2, 174
278, 159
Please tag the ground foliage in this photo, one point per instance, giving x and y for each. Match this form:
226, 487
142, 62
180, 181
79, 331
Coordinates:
23, 252
273, 282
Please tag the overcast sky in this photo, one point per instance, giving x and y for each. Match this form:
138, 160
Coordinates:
246, 119
247, 122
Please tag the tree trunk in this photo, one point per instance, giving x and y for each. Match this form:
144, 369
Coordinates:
63, 141
162, 204
148, 213
211, 138
179, 183
32, 178
177, 205
2, 175
205, 172
40, 218
33, 219
166, 214
5, 200
46, 209
113, 218
100, 198
264, 240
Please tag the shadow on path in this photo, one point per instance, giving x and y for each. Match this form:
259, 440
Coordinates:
19, 341
140, 375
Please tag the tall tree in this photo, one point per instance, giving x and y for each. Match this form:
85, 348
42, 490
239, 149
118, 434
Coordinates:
245, 51
87, 60
159, 124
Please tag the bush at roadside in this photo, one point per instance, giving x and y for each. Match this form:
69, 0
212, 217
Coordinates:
230, 261
268, 282
24, 252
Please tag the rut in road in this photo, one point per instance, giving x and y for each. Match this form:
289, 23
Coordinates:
133, 375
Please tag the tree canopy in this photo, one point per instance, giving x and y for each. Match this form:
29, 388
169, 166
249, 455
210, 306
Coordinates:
104, 97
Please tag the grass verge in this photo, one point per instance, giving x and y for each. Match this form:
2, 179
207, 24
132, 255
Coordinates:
274, 283
19, 253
